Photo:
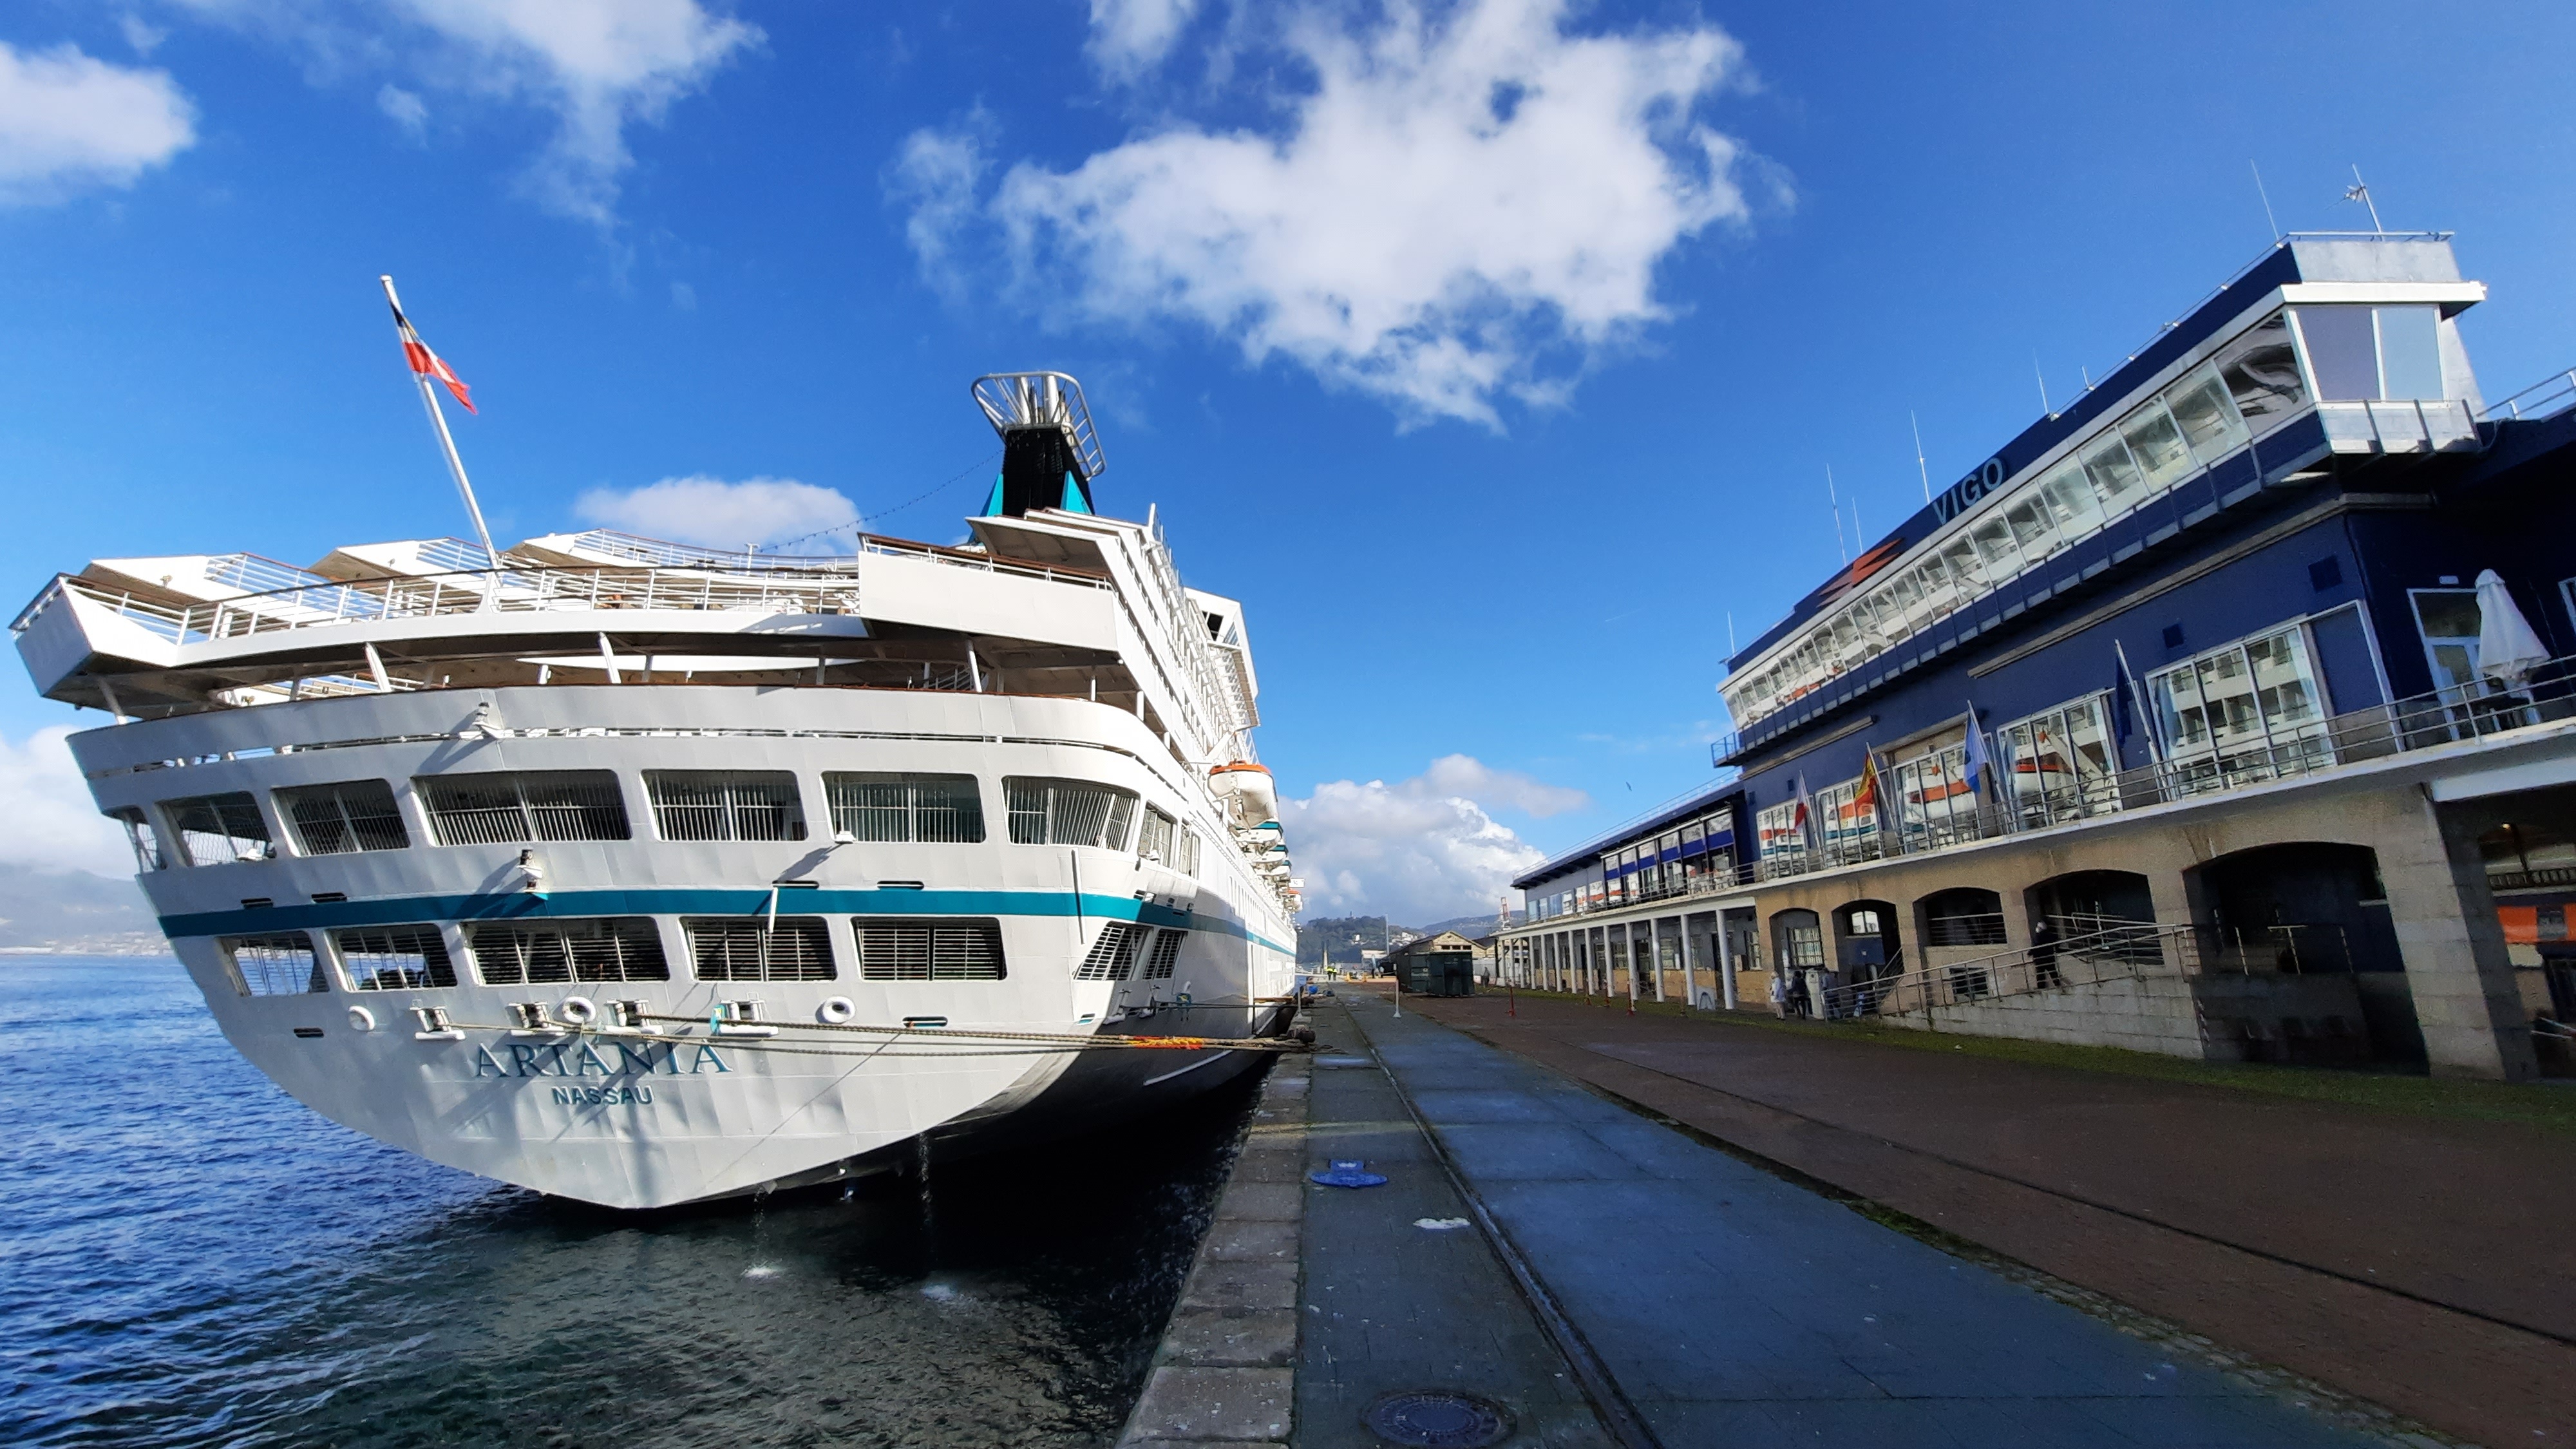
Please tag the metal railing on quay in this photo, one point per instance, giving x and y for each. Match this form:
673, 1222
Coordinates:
2253, 750
2092, 952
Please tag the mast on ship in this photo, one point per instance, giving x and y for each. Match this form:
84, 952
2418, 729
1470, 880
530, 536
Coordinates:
1050, 451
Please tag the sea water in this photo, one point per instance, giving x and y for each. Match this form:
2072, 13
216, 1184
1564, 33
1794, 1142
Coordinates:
190, 1257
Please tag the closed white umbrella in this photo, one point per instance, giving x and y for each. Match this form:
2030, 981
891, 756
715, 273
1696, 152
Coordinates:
2507, 647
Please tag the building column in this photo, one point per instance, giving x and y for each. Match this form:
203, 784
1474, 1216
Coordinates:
1690, 989
1725, 962
2457, 967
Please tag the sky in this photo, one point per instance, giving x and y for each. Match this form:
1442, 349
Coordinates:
1493, 352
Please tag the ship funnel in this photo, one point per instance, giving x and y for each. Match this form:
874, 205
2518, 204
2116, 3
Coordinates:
1050, 453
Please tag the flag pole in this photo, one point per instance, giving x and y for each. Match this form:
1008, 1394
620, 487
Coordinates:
447, 443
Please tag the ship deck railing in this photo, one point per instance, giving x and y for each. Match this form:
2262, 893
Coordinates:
524, 588
2484, 713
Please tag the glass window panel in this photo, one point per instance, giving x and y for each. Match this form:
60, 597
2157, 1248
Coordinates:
2070, 500
1995, 546
791, 948
624, 948
2410, 352
276, 965
2115, 474
394, 958
2261, 373
1154, 842
882, 806
2343, 351
138, 834
344, 818
219, 829
2034, 532
2200, 407
2156, 444
1960, 560
2284, 683
575, 805
1068, 812
725, 804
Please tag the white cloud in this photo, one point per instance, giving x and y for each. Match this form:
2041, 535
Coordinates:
144, 38
938, 172
1463, 207
53, 823
719, 514
598, 65
68, 121
405, 108
1129, 37
1419, 850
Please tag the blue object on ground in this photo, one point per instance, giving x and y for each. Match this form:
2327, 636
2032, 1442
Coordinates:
1349, 1173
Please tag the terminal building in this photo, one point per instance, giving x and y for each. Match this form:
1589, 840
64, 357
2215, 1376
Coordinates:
2227, 712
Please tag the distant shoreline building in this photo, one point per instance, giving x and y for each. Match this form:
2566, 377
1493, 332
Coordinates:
2181, 722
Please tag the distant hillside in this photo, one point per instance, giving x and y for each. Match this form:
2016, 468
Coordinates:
1470, 927
75, 913
1334, 933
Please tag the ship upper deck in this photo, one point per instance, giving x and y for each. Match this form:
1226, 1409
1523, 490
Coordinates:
1101, 616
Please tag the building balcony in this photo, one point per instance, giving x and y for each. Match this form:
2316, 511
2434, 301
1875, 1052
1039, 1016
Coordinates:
2243, 755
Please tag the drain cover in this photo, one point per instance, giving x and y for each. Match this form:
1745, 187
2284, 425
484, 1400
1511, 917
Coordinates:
1437, 1418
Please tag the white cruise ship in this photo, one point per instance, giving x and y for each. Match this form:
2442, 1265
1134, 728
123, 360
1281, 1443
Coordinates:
643, 874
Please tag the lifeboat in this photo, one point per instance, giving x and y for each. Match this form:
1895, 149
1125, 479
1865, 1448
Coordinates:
1249, 793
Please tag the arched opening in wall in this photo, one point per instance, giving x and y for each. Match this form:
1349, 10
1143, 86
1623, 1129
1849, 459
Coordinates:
1963, 916
1867, 943
2087, 902
1797, 947
2303, 931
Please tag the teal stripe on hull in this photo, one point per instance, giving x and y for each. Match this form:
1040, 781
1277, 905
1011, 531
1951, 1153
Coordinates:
524, 905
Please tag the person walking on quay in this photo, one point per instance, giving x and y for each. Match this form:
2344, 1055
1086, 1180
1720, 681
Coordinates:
1780, 994
2043, 956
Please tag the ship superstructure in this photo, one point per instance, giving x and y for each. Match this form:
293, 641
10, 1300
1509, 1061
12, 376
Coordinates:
643, 873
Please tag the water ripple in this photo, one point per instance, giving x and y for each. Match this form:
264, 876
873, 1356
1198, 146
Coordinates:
195, 1259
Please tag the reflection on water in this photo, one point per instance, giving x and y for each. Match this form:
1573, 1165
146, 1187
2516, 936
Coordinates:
190, 1258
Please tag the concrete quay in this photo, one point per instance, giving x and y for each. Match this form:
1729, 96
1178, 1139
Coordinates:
1587, 1276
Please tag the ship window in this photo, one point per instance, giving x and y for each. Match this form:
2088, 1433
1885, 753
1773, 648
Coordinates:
1068, 812
1166, 955
623, 948
394, 958
1185, 847
218, 829
725, 804
796, 948
138, 833
504, 809
277, 965
933, 808
1113, 956
340, 819
929, 950
1154, 842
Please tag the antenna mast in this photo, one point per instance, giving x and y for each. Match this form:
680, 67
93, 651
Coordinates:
1919, 465
2360, 191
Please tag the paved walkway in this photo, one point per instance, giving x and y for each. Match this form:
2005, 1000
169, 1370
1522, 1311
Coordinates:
1726, 1306
2408, 1261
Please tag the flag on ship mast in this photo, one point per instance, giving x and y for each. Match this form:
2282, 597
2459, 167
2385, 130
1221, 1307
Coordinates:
426, 368
423, 361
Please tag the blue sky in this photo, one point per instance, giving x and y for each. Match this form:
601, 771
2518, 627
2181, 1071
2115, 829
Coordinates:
1492, 352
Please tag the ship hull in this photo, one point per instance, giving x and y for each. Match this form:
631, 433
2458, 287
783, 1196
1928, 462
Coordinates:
721, 1085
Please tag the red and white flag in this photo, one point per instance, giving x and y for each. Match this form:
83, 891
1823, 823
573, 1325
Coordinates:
426, 363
